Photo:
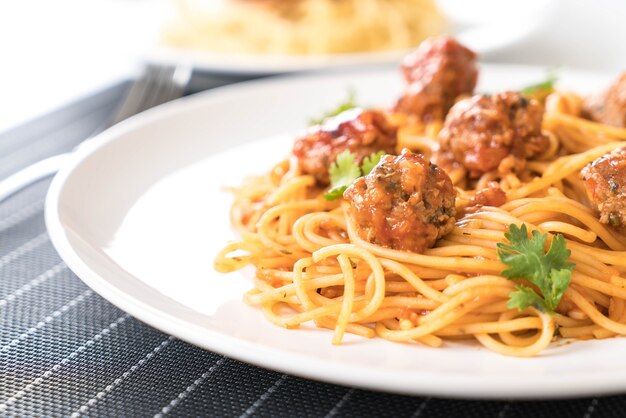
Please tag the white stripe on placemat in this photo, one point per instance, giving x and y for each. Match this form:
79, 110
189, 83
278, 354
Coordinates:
504, 410
34, 283
420, 409
46, 320
182, 395
263, 397
91, 402
339, 404
591, 408
19, 251
20, 393
17, 217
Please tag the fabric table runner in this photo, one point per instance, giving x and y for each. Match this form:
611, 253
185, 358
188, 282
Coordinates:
65, 351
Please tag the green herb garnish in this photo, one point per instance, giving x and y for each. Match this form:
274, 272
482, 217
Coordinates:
345, 170
549, 271
347, 104
370, 162
542, 89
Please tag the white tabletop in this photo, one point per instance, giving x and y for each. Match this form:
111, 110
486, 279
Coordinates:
56, 51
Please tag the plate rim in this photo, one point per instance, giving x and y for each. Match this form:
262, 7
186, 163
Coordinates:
429, 383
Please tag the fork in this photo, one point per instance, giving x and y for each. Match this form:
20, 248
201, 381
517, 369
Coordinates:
156, 85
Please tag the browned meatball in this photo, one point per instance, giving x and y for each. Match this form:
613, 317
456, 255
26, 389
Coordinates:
362, 132
609, 107
438, 71
405, 203
605, 182
492, 195
481, 131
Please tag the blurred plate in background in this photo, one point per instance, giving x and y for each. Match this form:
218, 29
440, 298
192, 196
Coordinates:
484, 26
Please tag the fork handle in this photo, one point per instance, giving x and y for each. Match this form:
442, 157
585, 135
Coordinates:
31, 174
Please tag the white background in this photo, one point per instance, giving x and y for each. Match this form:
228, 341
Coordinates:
55, 51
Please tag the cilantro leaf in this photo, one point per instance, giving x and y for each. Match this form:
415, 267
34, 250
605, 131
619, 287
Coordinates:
345, 170
342, 173
526, 259
370, 162
524, 297
347, 104
541, 89
559, 281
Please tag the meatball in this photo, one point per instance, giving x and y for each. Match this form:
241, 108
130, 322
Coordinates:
483, 130
438, 71
605, 182
492, 195
405, 203
361, 132
609, 107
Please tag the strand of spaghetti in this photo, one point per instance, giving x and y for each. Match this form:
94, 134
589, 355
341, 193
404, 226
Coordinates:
290, 187
494, 307
591, 283
301, 292
514, 340
569, 229
263, 225
572, 164
452, 304
356, 329
587, 219
377, 271
409, 302
348, 298
417, 283
450, 263
290, 289
547, 332
477, 282
382, 314
484, 234
520, 324
565, 321
446, 314
404, 287
225, 264
461, 251
595, 315
615, 309
305, 234
478, 316
296, 319
299, 235
604, 129
502, 219
452, 240
581, 332
616, 258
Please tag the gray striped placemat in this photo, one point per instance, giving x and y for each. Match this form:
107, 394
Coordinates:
65, 351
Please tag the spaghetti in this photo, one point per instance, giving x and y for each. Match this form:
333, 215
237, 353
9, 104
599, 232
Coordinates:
302, 27
313, 265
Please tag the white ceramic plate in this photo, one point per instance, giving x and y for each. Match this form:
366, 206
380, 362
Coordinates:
140, 214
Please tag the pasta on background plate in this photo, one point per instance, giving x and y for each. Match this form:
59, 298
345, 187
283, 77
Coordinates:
301, 27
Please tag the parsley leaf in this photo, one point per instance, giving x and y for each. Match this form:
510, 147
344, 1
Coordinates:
549, 271
524, 297
347, 104
541, 90
345, 170
342, 173
370, 162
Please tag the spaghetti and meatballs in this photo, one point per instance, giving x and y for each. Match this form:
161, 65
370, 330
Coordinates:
449, 216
